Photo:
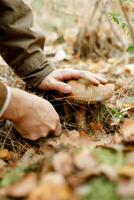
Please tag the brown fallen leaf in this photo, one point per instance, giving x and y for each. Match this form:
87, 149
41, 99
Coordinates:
22, 188
130, 157
84, 160
126, 188
97, 127
51, 192
70, 138
109, 171
2, 164
127, 171
84, 136
52, 187
127, 130
63, 163
129, 69
75, 180
7, 155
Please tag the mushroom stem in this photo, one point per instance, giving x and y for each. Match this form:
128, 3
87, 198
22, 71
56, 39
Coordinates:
80, 117
67, 113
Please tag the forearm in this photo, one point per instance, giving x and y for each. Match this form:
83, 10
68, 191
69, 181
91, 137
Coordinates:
15, 111
20, 46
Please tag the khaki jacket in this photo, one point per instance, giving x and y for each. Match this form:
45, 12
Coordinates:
20, 46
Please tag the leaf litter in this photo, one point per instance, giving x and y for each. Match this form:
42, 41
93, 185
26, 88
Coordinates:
83, 163
94, 157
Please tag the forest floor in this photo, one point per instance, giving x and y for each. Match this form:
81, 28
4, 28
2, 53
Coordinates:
90, 163
82, 164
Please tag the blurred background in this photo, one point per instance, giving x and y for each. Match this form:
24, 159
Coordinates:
92, 27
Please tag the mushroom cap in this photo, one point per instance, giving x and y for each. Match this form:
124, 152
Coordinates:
85, 93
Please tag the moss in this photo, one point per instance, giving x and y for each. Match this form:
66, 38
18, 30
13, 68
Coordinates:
110, 157
101, 189
15, 175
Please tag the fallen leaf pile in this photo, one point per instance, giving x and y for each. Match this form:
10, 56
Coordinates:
71, 175
92, 159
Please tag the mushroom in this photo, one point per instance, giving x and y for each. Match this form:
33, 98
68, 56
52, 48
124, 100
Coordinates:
83, 94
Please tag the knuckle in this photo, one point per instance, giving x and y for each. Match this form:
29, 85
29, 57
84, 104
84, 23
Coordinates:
53, 128
44, 134
58, 123
58, 119
34, 138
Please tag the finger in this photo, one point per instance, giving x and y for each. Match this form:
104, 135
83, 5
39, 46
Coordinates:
69, 74
32, 137
89, 77
61, 87
58, 130
100, 79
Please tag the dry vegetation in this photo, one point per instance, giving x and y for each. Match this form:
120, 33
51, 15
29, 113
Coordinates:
94, 157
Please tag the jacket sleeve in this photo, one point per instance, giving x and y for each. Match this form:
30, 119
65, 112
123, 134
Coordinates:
20, 46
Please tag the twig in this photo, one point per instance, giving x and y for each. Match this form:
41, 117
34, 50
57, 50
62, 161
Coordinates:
127, 20
8, 133
94, 11
111, 25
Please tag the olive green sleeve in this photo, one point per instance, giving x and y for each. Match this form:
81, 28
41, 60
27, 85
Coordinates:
20, 46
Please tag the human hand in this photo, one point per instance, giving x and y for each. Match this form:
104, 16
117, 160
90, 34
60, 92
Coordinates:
32, 116
55, 80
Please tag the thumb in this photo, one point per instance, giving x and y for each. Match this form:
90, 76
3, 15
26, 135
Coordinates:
61, 87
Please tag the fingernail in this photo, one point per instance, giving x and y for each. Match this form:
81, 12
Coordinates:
67, 89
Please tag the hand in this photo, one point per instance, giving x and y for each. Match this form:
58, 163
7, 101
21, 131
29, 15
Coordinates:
55, 80
32, 116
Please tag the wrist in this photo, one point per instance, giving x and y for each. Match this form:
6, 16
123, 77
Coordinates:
5, 96
13, 111
41, 86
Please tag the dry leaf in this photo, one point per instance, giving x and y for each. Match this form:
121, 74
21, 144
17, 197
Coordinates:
84, 136
7, 155
23, 188
61, 55
2, 164
109, 171
84, 160
129, 69
126, 188
63, 163
127, 130
130, 157
97, 127
52, 187
127, 171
